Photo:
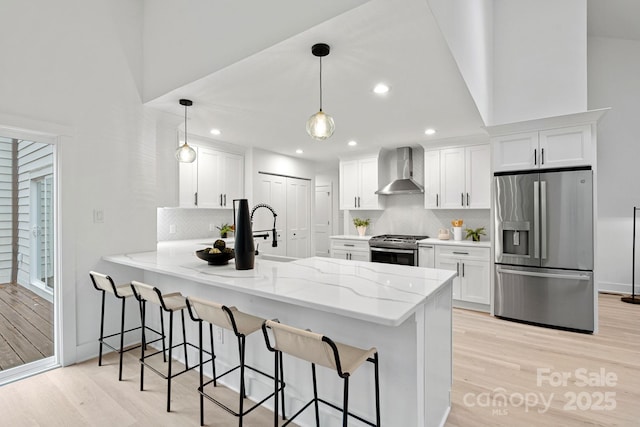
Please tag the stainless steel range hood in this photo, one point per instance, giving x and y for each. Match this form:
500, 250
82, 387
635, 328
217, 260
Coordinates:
404, 184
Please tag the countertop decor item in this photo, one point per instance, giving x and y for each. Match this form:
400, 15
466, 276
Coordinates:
632, 299
245, 250
221, 257
475, 233
185, 153
443, 234
320, 126
361, 225
225, 229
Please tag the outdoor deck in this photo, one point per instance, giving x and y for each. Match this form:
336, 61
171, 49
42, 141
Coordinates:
26, 326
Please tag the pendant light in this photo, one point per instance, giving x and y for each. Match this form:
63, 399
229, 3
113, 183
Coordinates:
320, 126
185, 153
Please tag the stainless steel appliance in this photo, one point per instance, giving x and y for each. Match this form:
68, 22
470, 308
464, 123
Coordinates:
395, 249
544, 247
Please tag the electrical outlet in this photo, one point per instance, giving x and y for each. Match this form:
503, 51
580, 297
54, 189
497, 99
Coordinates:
220, 335
212, 227
172, 229
98, 216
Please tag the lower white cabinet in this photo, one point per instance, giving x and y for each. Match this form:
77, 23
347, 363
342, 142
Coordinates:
426, 256
351, 249
473, 283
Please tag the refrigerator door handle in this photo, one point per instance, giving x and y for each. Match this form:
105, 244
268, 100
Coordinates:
536, 219
543, 219
546, 275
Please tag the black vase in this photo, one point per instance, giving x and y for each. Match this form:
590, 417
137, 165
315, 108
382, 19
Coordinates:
244, 249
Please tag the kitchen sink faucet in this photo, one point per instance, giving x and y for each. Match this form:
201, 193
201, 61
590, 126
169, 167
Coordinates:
274, 243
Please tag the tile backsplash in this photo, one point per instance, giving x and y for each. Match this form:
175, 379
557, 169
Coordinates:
183, 224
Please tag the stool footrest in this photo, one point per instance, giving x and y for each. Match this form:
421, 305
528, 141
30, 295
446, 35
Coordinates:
104, 341
163, 375
246, 411
334, 406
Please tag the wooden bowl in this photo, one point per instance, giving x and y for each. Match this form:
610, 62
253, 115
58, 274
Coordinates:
215, 259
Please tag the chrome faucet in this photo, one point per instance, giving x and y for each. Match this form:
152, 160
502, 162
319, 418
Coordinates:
274, 243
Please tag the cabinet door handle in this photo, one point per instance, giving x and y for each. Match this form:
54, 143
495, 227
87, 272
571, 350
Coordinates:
355, 202
220, 199
457, 268
535, 156
462, 199
358, 201
350, 245
225, 200
437, 200
463, 269
195, 198
467, 199
542, 156
460, 253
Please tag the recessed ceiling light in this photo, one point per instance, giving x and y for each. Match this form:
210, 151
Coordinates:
215, 132
352, 143
381, 88
299, 151
429, 131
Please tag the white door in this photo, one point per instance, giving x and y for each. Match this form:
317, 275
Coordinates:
322, 226
298, 218
272, 190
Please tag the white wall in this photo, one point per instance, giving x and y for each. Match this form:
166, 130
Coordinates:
67, 69
467, 27
540, 57
614, 67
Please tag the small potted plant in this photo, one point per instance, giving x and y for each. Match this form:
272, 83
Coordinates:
225, 229
475, 233
361, 225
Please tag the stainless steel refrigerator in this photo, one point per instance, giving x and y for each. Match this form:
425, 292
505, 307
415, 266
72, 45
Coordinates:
544, 248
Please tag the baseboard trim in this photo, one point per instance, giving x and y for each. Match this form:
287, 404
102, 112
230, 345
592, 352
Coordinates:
621, 288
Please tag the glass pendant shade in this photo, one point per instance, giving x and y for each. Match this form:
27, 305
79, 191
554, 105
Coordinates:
185, 154
320, 126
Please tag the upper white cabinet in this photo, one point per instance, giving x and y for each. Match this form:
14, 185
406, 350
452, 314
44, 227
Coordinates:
550, 148
458, 178
213, 180
359, 183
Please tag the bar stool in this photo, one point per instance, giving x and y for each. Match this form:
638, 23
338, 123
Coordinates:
104, 284
321, 350
169, 303
242, 325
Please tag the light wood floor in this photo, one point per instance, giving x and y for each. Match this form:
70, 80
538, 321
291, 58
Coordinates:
491, 357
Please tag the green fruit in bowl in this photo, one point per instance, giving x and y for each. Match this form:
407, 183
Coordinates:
219, 244
215, 251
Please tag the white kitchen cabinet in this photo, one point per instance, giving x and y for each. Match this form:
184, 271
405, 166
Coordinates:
549, 148
359, 183
458, 178
473, 283
213, 180
426, 256
352, 249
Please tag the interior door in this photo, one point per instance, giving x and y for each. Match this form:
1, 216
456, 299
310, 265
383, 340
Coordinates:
322, 228
298, 218
272, 190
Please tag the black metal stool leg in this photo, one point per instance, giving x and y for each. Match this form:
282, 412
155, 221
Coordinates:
121, 339
164, 347
170, 360
143, 309
275, 388
241, 343
284, 417
315, 394
201, 373
345, 406
184, 341
213, 355
101, 330
377, 384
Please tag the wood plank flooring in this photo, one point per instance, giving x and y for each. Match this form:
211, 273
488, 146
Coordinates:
26, 326
491, 356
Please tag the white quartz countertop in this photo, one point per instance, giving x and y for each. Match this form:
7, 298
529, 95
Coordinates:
381, 293
451, 242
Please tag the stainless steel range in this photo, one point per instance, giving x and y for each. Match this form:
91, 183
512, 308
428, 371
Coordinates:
395, 249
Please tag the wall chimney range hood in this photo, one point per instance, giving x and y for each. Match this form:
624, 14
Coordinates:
404, 184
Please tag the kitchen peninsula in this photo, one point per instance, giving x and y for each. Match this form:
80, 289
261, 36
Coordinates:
405, 312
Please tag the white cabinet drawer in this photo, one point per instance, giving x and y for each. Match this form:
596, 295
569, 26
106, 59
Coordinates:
467, 252
352, 245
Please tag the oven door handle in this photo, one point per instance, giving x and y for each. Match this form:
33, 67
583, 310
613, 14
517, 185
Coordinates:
397, 251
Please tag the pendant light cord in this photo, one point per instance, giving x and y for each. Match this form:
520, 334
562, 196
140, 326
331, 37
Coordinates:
185, 125
321, 83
